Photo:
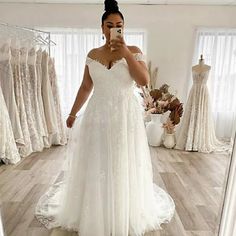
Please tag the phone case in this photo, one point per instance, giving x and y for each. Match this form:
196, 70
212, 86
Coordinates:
115, 32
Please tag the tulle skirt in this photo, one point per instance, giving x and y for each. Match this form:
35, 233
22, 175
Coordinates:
108, 186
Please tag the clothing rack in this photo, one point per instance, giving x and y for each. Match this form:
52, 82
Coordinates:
31, 119
40, 32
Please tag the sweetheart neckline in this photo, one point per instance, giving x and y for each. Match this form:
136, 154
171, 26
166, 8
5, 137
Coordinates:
114, 63
200, 73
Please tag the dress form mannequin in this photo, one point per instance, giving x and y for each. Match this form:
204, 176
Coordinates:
197, 131
201, 67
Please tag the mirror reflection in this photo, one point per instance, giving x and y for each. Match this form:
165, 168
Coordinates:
104, 132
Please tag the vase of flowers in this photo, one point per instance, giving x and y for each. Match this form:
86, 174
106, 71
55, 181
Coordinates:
169, 140
160, 101
169, 134
154, 130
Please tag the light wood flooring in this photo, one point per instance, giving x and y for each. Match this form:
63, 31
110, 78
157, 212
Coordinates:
194, 180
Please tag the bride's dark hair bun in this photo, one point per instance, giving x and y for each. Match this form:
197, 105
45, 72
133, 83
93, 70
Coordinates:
111, 7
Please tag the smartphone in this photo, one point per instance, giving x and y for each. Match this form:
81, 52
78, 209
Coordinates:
114, 32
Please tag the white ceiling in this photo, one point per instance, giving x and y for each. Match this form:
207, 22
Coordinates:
158, 2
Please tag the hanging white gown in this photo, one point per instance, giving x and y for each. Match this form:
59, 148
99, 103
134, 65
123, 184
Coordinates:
8, 150
39, 95
197, 132
38, 143
25, 150
60, 137
108, 188
48, 100
7, 84
28, 97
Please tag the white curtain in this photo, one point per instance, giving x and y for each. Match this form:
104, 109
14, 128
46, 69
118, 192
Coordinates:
72, 46
218, 47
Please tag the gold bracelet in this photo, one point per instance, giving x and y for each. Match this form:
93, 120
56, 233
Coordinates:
72, 116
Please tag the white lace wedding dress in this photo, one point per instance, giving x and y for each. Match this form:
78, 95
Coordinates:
197, 132
8, 150
108, 187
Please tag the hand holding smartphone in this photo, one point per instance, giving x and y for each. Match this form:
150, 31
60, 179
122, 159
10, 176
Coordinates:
114, 32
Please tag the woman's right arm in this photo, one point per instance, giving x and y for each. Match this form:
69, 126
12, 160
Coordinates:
82, 95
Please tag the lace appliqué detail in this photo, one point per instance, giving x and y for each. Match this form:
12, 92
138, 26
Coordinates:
88, 60
139, 57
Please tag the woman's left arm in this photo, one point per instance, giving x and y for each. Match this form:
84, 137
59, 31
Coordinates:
138, 69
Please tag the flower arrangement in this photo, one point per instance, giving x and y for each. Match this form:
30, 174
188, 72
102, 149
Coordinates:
159, 101
169, 126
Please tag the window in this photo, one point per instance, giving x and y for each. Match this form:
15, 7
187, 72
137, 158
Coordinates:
218, 47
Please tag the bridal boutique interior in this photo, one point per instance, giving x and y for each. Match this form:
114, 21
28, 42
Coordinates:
190, 51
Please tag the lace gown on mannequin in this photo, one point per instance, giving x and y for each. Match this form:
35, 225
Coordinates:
7, 84
8, 150
197, 131
15, 62
108, 188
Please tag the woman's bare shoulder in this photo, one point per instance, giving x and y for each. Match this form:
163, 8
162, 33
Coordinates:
93, 53
134, 49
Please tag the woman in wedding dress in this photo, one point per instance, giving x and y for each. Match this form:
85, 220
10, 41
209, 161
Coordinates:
108, 187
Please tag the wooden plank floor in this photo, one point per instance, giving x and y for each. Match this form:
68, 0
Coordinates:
194, 180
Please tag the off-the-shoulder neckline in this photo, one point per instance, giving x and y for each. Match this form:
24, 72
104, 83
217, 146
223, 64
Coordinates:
114, 63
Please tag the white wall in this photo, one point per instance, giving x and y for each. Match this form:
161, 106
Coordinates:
170, 29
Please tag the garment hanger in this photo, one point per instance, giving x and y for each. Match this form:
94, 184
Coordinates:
50, 41
39, 38
24, 33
